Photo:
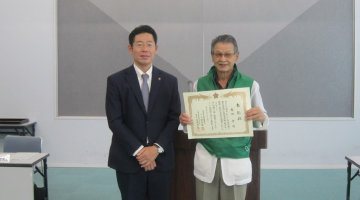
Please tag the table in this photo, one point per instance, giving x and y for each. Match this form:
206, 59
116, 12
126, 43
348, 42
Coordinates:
20, 129
16, 177
351, 160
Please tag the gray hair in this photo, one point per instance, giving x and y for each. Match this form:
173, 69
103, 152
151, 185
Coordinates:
224, 39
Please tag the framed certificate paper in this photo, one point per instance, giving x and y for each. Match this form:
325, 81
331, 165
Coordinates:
218, 113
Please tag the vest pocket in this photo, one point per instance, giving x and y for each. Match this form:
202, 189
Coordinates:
202, 163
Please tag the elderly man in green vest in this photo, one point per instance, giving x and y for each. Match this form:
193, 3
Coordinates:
222, 165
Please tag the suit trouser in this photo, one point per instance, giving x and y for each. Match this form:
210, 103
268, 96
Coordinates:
151, 184
210, 191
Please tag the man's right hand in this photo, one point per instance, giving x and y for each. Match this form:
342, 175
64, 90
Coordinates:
185, 119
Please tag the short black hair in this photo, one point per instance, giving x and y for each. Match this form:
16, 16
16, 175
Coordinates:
142, 29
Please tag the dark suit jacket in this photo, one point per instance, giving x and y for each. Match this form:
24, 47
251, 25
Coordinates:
130, 123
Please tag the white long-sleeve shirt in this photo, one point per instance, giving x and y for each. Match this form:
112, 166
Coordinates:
234, 171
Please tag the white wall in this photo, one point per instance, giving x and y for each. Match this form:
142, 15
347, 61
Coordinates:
28, 85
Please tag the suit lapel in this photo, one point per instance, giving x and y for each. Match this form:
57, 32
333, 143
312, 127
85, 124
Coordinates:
156, 81
133, 81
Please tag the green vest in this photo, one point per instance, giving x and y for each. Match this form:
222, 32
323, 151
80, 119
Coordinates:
238, 147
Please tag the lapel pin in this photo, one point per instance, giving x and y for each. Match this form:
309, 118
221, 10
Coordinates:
159, 79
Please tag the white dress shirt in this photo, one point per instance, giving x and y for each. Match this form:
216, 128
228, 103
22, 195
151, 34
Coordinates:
139, 73
234, 171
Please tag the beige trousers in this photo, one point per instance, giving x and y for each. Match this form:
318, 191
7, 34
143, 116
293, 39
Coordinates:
210, 191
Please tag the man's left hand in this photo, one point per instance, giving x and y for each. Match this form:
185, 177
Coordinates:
255, 114
151, 166
147, 155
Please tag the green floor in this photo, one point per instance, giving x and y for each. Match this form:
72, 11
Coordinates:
276, 184
315, 184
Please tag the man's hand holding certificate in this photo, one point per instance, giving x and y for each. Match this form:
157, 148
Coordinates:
218, 113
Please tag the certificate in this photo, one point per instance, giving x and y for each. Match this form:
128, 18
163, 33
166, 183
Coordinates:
218, 113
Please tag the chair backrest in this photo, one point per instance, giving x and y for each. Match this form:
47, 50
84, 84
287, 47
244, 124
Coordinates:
22, 144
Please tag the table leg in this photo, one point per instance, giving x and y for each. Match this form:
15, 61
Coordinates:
348, 181
33, 129
45, 180
17, 131
28, 131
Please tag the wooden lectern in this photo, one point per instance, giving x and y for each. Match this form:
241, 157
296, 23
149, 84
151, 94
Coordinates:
183, 180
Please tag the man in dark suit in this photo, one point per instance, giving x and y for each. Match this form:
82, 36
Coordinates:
142, 109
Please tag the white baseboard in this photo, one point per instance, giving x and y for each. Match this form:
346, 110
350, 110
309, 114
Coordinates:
262, 166
77, 165
304, 167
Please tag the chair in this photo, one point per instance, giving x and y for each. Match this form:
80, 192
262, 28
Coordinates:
22, 144
14, 144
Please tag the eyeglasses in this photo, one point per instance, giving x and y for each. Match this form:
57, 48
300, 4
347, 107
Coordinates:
140, 45
226, 55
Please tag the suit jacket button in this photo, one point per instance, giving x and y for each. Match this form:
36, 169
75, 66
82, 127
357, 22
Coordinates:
147, 122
